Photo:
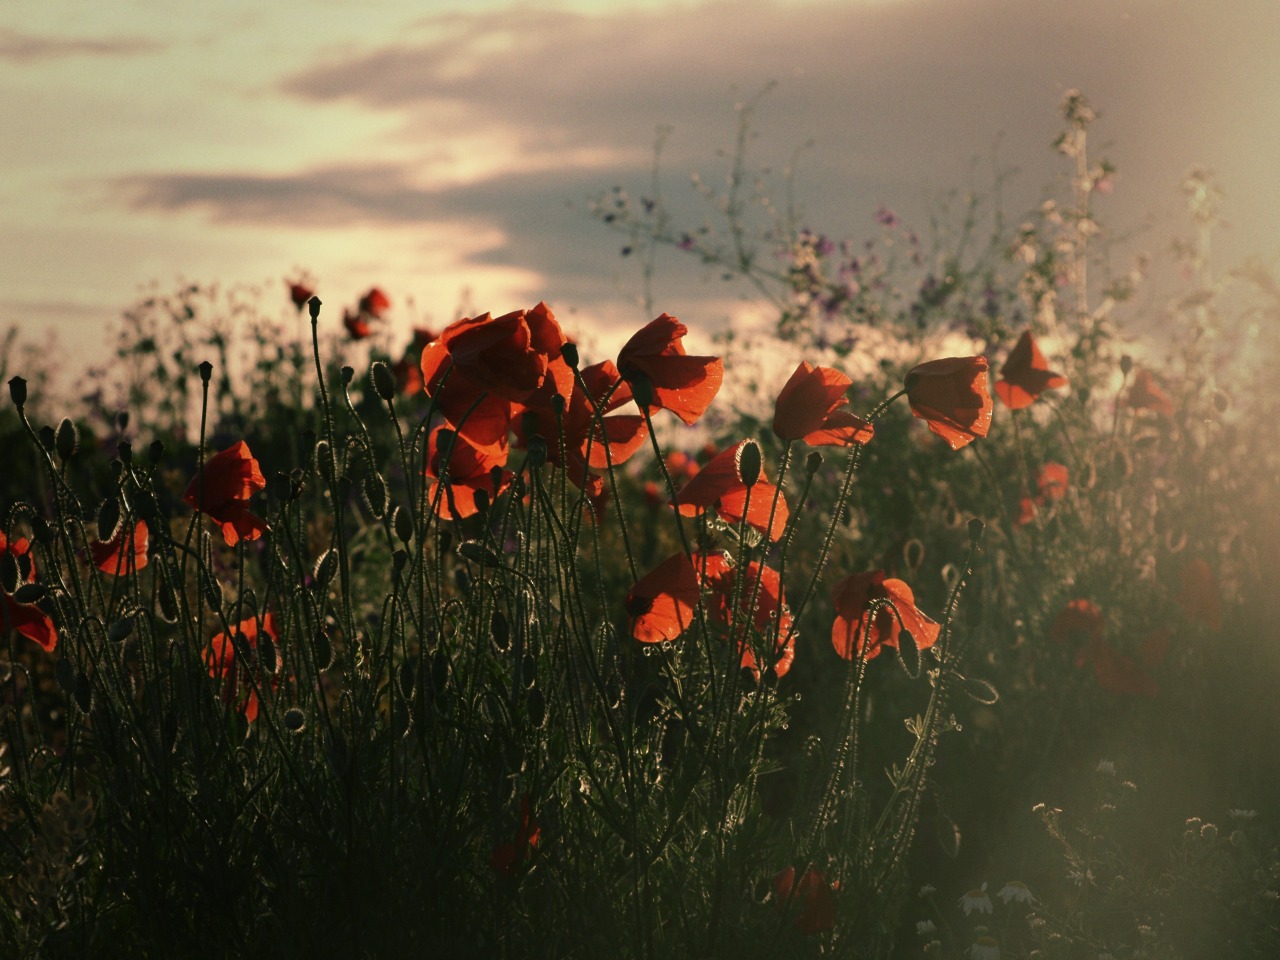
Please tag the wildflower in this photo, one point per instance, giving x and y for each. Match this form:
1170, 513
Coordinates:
925, 927
26, 618
300, 293
470, 470
951, 396
507, 857
1199, 595
239, 670
856, 632
928, 890
771, 617
810, 903
1107, 767
124, 552
976, 899
1052, 481
223, 490
1146, 394
1236, 814
1025, 374
680, 383
985, 948
682, 466
719, 486
1027, 510
808, 409
408, 368
662, 602
1015, 891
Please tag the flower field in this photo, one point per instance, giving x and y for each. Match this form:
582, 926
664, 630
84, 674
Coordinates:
936, 619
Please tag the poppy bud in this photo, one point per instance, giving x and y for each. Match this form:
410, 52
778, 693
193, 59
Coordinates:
40, 530
463, 580
122, 420
294, 720
482, 501
29, 593
398, 560
537, 451
313, 307
323, 649
108, 517
119, 631
500, 630
569, 353
1126, 364
641, 390
18, 391
979, 690
557, 405
384, 381
67, 439
749, 463
402, 523
446, 540
279, 487
125, 451
813, 462
156, 451
9, 573
975, 531
48, 439
206, 371
477, 552
347, 373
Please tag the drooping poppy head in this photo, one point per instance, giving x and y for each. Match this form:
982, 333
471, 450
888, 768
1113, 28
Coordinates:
857, 632
26, 618
718, 486
809, 409
662, 602
1026, 374
680, 383
811, 903
1147, 394
951, 396
124, 552
235, 671
229, 480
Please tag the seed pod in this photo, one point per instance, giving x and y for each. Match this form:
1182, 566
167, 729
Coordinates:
384, 381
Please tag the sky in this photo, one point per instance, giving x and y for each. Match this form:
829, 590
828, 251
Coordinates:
448, 152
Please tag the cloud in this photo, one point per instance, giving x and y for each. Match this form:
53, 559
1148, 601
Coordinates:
19, 47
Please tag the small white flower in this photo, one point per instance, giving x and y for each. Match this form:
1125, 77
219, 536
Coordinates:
977, 900
985, 948
925, 927
928, 890
1106, 766
1242, 814
1015, 890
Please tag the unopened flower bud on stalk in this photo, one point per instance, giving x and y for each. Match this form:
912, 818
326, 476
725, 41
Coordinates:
749, 463
206, 371
313, 308
18, 391
384, 381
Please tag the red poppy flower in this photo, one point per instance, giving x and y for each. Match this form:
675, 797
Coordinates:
408, 369
230, 479
1025, 374
240, 674
771, 617
507, 356
951, 396
507, 857
662, 602
300, 293
470, 470
681, 466
357, 324
683, 384
124, 552
1052, 481
856, 633
26, 618
811, 903
1199, 595
719, 486
1027, 510
1081, 625
1146, 394
375, 303
808, 409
